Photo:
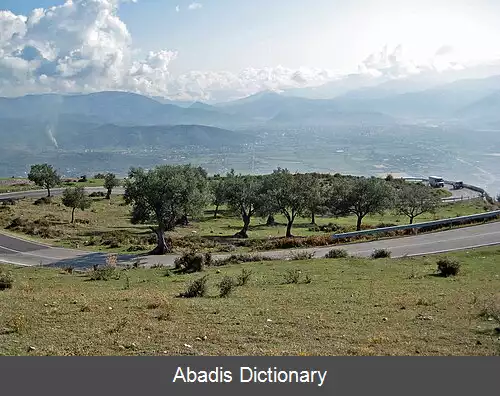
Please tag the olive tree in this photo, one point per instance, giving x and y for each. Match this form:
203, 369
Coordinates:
361, 197
75, 197
110, 182
163, 195
413, 200
242, 195
218, 193
45, 176
288, 194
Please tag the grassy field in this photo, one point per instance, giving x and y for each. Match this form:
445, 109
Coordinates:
106, 226
350, 307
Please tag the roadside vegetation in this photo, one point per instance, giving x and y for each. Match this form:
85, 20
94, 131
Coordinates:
336, 306
180, 208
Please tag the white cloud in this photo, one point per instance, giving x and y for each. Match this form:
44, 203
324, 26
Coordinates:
177, 8
195, 6
83, 46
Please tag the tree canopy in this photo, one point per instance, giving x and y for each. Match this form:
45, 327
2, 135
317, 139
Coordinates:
45, 176
75, 198
110, 182
163, 195
413, 200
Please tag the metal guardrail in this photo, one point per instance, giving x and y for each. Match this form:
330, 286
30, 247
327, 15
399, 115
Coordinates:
419, 226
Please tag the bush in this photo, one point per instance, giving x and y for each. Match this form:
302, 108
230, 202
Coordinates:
208, 260
297, 256
6, 281
226, 286
99, 176
105, 273
448, 267
243, 278
197, 288
337, 254
43, 201
97, 194
189, 263
242, 258
381, 253
330, 227
292, 276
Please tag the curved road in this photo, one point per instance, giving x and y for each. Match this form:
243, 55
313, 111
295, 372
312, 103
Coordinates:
15, 250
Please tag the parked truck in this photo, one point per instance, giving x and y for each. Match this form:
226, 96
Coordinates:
435, 181
458, 185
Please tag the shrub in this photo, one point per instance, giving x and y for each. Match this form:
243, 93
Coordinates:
197, 288
491, 309
381, 253
43, 201
337, 254
297, 256
226, 286
189, 263
292, 276
208, 260
105, 273
242, 258
243, 278
97, 194
448, 267
6, 281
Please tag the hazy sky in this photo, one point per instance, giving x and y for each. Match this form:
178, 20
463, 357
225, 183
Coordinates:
187, 39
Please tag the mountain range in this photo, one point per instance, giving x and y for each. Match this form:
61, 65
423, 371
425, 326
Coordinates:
130, 121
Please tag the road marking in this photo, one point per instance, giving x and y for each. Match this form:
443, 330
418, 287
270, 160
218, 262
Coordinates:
455, 249
15, 263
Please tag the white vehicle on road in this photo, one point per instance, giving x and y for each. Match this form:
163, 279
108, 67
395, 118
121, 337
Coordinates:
436, 181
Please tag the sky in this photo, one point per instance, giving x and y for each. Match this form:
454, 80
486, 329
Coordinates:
203, 49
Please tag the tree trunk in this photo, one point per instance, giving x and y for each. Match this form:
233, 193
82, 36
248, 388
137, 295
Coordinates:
313, 218
289, 229
108, 194
270, 221
216, 211
48, 191
358, 223
162, 246
244, 231
411, 219
73, 216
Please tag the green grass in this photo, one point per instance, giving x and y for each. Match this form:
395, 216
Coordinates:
106, 226
350, 307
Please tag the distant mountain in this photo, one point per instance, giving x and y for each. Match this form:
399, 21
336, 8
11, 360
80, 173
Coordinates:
121, 108
443, 102
68, 134
484, 111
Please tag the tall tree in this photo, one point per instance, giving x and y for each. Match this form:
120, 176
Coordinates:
45, 176
288, 193
161, 196
413, 200
243, 197
110, 182
361, 197
75, 197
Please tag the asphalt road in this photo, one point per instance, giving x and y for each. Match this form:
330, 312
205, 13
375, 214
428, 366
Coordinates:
21, 252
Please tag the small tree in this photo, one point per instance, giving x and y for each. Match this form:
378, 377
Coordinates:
44, 175
75, 198
413, 200
289, 195
315, 192
218, 193
163, 195
242, 197
361, 197
110, 182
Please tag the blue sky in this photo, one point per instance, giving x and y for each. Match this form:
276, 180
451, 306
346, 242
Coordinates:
234, 34
229, 36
